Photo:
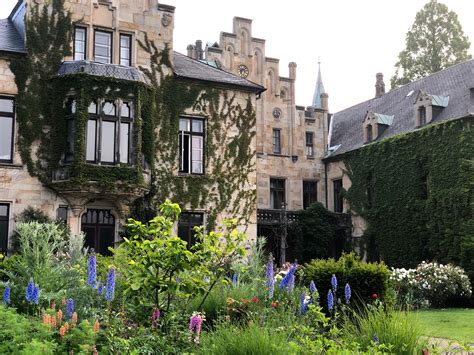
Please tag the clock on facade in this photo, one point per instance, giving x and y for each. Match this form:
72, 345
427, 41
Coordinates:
243, 71
276, 113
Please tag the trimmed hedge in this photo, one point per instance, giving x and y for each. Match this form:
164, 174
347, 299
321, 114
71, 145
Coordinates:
364, 278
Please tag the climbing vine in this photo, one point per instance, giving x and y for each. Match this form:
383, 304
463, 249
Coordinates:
229, 158
415, 192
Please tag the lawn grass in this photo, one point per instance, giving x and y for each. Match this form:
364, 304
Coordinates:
451, 323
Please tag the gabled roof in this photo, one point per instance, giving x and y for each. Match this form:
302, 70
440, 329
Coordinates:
189, 68
10, 39
450, 86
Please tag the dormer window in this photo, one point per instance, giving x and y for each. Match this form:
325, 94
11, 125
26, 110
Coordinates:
375, 124
428, 106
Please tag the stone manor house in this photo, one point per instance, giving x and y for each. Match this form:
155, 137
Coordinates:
217, 130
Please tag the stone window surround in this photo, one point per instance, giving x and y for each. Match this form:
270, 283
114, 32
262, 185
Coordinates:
423, 100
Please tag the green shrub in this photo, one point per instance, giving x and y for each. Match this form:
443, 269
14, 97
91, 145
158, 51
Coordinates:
365, 279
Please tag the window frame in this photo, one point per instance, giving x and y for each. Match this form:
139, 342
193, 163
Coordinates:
129, 36
276, 149
12, 139
190, 239
309, 144
369, 132
6, 219
306, 191
111, 49
421, 115
276, 190
85, 42
191, 133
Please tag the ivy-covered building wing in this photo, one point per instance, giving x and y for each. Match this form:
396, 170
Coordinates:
101, 119
401, 163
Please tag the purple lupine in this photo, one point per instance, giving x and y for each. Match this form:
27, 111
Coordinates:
303, 304
6, 296
234, 279
312, 287
155, 316
70, 307
35, 295
92, 271
286, 280
195, 323
347, 293
330, 300
110, 286
270, 279
376, 339
334, 283
29, 291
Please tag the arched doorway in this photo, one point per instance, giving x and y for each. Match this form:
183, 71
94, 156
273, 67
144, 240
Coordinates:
98, 226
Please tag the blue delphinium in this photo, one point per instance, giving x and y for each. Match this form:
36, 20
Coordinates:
6, 296
70, 307
286, 280
29, 291
110, 286
376, 339
334, 283
100, 288
303, 304
330, 300
35, 295
312, 287
291, 284
234, 279
92, 271
347, 293
270, 279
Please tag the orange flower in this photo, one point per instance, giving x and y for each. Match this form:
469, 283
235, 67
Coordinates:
66, 326
59, 315
74, 319
53, 322
96, 326
62, 331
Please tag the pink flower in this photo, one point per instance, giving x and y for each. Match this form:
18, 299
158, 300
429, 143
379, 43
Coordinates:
374, 296
155, 317
195, 323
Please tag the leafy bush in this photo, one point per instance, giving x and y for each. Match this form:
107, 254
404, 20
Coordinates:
365, 279
431, 284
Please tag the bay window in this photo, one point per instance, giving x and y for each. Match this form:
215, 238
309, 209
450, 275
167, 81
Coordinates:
191, 145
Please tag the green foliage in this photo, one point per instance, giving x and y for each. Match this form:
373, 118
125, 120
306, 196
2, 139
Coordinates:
421, 206
365, 279
400, 331
313, 235
32, 214
434, 42
18, 334
48, 34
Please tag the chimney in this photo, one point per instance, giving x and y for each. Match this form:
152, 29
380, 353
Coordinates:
191, 51
324, 101
292, 66
199, 51
379, 85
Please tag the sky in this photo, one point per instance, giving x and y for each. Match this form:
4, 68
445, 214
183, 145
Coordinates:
354, 40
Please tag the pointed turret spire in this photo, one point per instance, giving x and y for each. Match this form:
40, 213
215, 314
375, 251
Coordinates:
319, 88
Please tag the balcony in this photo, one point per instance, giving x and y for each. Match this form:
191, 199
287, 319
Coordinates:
272, 217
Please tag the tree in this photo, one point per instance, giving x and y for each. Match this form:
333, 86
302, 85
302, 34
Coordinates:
434, 42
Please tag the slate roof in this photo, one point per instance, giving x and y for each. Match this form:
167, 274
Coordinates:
454, 82
100, 69
10, 39
186, 67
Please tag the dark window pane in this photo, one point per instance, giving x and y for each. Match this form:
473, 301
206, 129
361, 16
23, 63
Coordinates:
277, 193
4, 220
107, 142
337, 192
62, 213
276, 141
187, 222
70, 141
310, 194
6, 134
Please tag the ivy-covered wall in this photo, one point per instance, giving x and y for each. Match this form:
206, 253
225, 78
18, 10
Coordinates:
415, 192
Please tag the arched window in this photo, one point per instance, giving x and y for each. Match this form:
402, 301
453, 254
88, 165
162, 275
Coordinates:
244, 42
258, 61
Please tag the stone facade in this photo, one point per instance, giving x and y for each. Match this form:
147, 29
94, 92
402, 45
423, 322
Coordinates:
137, 19
241, 53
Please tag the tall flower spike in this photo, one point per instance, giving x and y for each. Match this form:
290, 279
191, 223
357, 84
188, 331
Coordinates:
376, 339
291, 284
92, 271
334, 283
6, 296
330, 300
110, 286
303, 304
291, 272
312, 287
29, 291
36, 295
100, 288
234, 279
270, 279
70, 307
347, 293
